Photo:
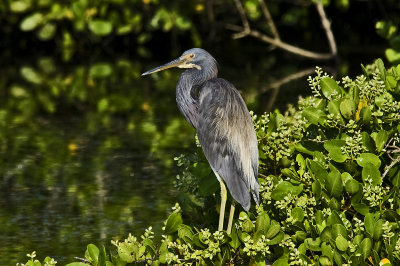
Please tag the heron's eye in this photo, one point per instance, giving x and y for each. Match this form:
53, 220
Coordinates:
192, 56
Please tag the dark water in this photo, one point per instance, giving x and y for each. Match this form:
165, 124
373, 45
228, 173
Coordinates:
86, 151
86, 156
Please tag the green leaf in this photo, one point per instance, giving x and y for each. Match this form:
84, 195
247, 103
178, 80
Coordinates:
368, 158
263, 222
339, 229
141, 252
208, 185
100, 70
102, 256
348, 108
381, 100
235, 243
298, 214
173, 222
320, 103
31, 75
313, 244
372, 172
380, 139
201, 169
352, 186
337, 257
247, 226
47, 31
361, 208
291, 173
302, 165
385, 29
19, 6
365, 115
127, 252
335, 151
327, 250
334, 184
277, 239
396, 179
392, 55
319, 217
326, 234
391, 81
163, 252
334, 218
329, 87
365, 247
257, 236
381, 68
284, 188
341, 243
31, 22
369, 224
185, 233
100, 27
324, 261
334, 109
77, 264
93, 252
316, 189
334, 204
319, 171
199, 243
378, 229
346, 176
274, 229
367, 142
314, 116
299, 236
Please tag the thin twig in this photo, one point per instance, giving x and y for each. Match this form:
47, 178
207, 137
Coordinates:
264, 176
245, 30
269, 19
390, 166
272, 99
287, 79
327, 27
81, 259
395, 149
290, 48
245, 22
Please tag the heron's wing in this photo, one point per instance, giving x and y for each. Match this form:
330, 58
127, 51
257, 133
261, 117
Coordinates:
227, 136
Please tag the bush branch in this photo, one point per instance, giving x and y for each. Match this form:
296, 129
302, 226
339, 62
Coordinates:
245, 30
390, 166
327, 27
269, 19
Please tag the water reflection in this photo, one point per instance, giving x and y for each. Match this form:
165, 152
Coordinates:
86, 156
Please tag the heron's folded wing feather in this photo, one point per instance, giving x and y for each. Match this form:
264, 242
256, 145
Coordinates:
226, 134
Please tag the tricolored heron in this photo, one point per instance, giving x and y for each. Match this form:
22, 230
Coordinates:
224, 126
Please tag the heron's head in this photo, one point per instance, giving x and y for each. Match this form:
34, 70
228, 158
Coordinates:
195, 58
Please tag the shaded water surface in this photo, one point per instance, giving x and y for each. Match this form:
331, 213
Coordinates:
86, 156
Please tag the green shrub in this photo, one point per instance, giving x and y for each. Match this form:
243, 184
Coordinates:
329, 181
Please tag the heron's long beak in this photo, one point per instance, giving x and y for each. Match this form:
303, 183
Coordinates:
174, 63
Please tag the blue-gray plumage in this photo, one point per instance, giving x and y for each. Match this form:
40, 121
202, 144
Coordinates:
224, 126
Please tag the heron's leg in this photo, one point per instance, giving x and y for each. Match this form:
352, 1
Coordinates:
222, 208
231, 213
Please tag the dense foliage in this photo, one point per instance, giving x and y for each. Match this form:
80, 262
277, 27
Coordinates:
139, 26
329, 182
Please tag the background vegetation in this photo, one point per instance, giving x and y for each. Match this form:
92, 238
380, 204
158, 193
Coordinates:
73, 109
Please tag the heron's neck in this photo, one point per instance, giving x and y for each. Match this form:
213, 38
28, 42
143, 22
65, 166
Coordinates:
187, 103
